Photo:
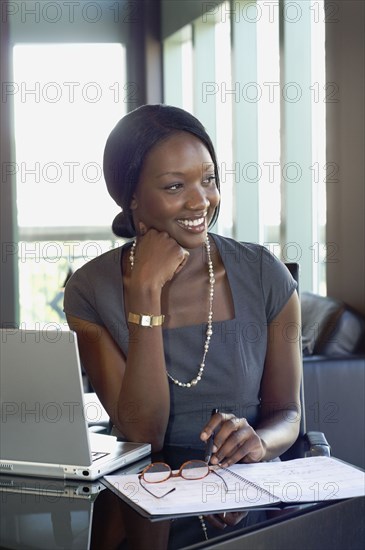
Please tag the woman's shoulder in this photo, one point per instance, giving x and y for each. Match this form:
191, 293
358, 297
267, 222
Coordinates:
254, 268
103, 263
102, 271
234, 250
93, 282
251, 258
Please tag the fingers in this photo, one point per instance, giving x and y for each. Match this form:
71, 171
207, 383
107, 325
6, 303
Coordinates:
216, 520
142, 228
219, 420
186, 255
234, 440
158, 257
221, 521
211, 426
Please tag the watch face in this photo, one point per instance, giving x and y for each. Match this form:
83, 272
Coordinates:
146, 320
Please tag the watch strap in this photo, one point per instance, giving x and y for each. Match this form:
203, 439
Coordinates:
146, 319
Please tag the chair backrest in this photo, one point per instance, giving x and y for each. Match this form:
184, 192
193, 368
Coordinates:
294, 270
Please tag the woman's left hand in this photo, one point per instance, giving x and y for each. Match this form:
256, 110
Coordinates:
234, 440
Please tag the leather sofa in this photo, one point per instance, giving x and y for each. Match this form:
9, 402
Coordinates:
333, 340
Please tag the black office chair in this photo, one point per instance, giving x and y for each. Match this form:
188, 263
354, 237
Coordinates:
308, 443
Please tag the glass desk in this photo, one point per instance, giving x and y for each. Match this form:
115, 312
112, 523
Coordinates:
50, 514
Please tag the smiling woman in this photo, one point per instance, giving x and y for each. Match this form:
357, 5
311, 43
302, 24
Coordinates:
186, 319
131, 138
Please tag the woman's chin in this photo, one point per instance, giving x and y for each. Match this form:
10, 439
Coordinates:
190, 240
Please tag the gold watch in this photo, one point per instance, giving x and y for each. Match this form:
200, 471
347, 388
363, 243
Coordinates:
146, 319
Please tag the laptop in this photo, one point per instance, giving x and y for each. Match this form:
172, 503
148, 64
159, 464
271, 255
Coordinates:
43, 422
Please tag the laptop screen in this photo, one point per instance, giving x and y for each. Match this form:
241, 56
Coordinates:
42, 408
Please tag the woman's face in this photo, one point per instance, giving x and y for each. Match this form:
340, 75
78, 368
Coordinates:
177, 190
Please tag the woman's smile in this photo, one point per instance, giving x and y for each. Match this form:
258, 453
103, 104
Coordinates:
196, 225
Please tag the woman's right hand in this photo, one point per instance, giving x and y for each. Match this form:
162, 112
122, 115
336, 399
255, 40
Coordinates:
157, 257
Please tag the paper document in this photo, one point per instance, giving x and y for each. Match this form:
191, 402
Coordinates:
263, 484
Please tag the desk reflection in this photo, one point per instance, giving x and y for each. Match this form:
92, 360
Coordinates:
125, 528
53, 514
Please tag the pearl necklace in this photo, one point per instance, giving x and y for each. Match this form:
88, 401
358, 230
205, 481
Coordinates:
209, 330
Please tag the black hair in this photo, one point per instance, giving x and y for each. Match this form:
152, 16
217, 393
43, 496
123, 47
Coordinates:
126, 149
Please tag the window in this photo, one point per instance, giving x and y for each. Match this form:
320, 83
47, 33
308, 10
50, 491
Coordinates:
67, 97
260, 94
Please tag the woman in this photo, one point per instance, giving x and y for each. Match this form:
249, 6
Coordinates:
180, 321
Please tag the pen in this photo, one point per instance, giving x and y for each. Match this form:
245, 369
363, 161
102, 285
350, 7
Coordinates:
210, 442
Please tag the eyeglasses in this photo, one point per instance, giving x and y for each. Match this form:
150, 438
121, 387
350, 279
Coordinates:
157, 472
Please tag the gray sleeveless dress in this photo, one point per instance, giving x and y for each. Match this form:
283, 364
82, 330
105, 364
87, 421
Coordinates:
260, 286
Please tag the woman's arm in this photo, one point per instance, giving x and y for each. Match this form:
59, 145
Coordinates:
278, 428
134, 390
280, 388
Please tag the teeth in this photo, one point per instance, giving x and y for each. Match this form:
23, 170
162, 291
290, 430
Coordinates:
192, 223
